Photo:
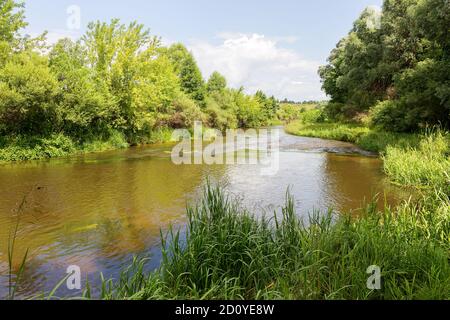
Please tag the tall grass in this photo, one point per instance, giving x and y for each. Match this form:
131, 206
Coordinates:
15, 274
370, 140
21, 148
428, 165
228, 253
114, 140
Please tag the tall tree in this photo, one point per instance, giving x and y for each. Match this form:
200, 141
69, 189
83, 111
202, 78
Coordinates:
191, 79
11, 22
11, 19
351, 76
141, 80
28, 92
216, 82
404, 61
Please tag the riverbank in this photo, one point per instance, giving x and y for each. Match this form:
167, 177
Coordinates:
370, 140
230, 254
21, 148
413, 160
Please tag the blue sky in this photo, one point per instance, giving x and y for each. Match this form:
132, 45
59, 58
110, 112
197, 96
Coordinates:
273, 45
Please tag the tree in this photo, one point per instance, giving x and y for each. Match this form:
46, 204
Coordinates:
191, 79
11, 20
269, 106
401, 45
28, 92
84, 101
351, 76
142, 81
404, 62
216, 82
249, 111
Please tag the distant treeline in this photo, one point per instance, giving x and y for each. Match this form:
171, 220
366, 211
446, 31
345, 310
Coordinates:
286, 101
116, 78
394, 65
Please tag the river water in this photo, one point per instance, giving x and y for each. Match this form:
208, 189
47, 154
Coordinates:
97, 211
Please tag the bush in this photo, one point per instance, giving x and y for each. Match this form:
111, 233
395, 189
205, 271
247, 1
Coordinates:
427, 165
111, 140
22, 148
392, 116
290, 112
221, 111
28, 92
334, 111
184, 112
313, 116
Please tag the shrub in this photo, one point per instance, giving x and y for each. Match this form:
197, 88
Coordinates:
111, 140
392, 116
185, 112
22, 148
427, 165
313, 116
290, 112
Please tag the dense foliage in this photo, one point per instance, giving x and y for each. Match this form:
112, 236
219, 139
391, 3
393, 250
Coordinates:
395, 65
117, 80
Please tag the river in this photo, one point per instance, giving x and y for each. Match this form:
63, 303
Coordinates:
97, 211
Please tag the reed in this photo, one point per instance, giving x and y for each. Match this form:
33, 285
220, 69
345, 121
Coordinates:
228, 253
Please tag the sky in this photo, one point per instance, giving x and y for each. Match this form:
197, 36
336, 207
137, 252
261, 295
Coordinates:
276, 46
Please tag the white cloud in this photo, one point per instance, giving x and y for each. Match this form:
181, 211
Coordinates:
258, 62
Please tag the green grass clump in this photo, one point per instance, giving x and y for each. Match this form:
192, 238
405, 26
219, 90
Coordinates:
417, 160
427, 165
330, 131
34, 148
366, 138
21, 148
230, 254
114, 140
379, 141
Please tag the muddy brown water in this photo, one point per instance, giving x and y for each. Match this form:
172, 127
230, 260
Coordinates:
97, 211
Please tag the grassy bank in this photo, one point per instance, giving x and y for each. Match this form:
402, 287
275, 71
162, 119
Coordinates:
231, 254
370, 140
21, 148
417, 160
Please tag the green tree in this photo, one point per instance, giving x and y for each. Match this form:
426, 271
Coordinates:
85, 104
11, 22
28, 93
141, 80
404, 61
191, 79
351, 76
221, 108
216, 82
269, 106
